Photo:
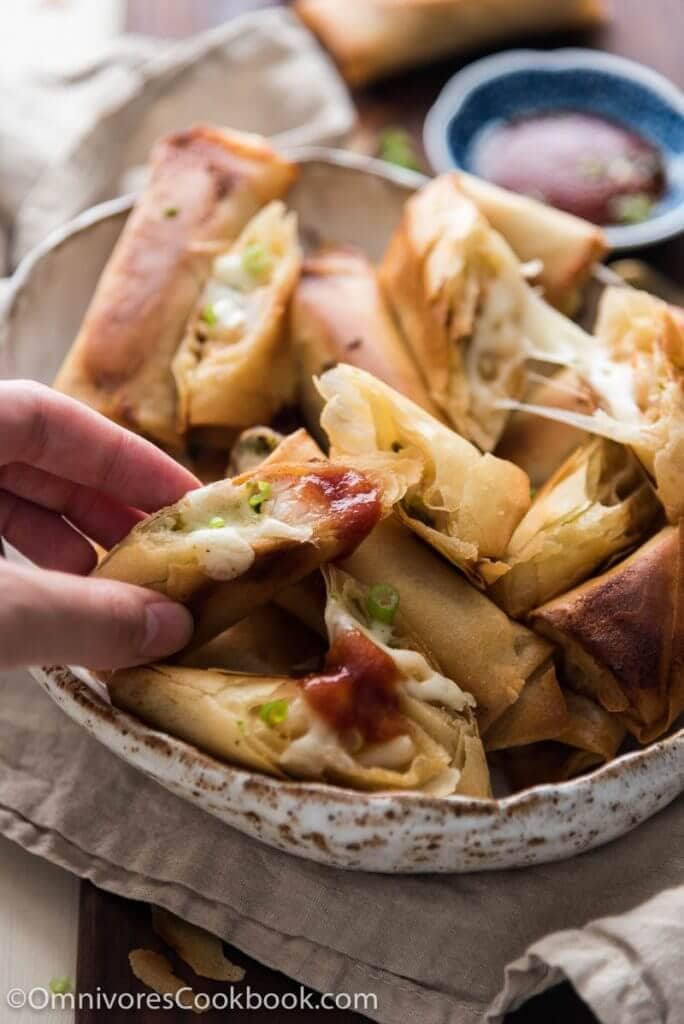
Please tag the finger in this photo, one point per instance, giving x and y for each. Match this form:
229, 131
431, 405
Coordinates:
51, 618
97, 515
48, 430
44, 537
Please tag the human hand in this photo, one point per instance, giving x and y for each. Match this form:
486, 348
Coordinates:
65, 469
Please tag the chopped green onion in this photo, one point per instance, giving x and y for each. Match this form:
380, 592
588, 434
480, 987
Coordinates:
274, 712
632, 208
533, 492
216, 522
256, 261
396, 147
263, 492
209, 315
60, 986
382, 603
171, 211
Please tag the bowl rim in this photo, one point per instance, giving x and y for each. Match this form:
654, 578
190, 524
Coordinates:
456, 91
76, 692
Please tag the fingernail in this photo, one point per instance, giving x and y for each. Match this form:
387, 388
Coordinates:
168, 627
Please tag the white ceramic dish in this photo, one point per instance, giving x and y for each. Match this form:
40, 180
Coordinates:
345, 198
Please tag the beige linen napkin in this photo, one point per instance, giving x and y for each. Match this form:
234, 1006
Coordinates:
433, 949
70, 140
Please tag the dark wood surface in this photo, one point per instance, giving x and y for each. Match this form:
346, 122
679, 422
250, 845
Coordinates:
651, 31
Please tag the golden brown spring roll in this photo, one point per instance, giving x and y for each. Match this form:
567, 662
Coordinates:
590, 737
377, 715
233, 366
566, 246
466, 309
226, 549
539, 713
339, 316
540, 446
599, 504
460, 501
622, 636
206, 183
373, 38
472, 640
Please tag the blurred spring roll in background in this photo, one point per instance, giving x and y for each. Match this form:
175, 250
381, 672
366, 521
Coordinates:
226, 549
538, 445
565, 246
462, 502
599, 504
472, 640
622, 636
373, 38
377, 715
258, 445
461, 298
635, 365
339, 316
206, 183
232, 368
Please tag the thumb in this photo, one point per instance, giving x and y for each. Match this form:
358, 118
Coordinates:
53, 618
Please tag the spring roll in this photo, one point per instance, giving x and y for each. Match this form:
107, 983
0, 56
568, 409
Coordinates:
565, 246
540, 446
339, 316
206, 183
621, 636
539, 713
635, 366
233, 366
226, 549
373, 38
377, 715
259, 445
463, 503
472, 640
590, 737
598, 505
460, 295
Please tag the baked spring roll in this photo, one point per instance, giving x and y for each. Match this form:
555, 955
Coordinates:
206, 183
621, 636
466, 309
373, 38
566, 246
233, 366
472, 640
339, 316
226, 549
376, 715
600, 503
462, 502
635, 365
259, 445
539, 713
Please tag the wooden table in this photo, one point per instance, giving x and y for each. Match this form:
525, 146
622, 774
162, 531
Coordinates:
651, 32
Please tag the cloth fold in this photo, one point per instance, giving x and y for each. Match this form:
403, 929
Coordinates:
433, 949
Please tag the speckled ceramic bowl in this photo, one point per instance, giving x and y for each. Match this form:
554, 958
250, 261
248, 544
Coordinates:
349, 199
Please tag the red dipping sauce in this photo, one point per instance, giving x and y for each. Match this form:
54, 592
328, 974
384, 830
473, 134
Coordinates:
357, 689
582, 163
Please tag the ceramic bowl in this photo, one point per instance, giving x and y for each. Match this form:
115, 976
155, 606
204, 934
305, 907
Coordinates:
521, 82
350, 199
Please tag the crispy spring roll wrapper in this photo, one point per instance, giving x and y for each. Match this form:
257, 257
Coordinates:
539, 713
621, 636
259, 445
339, 316
591, 737
473, 641
232, 368
566, 246
373, 38
540, 446
206, 183
599, 504
463, 503
224, 558
466, 309
635, 365
377, 715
